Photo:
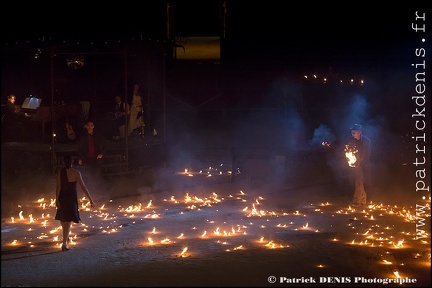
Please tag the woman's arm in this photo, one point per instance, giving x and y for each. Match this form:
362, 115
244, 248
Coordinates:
58, 190
84, 188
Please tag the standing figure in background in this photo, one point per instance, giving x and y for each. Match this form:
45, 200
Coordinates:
67, 198
14, 120
362, 170
136, 112
91, 150
121, 110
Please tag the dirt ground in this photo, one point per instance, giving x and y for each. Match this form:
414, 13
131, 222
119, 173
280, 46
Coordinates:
213, 232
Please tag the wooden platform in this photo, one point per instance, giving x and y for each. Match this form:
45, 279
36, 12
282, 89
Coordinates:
30, 157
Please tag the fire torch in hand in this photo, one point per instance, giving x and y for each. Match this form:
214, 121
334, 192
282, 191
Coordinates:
350, 155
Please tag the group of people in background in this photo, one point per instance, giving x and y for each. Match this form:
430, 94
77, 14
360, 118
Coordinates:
124, 119
128, 118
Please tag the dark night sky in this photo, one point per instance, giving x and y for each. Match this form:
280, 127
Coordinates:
318, 34
308, 29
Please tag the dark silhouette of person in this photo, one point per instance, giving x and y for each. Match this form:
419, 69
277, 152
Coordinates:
121, 111
67, 198
13, 120
91, 149
361, 145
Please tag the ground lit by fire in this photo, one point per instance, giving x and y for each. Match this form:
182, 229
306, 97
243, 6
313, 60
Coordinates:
191, 225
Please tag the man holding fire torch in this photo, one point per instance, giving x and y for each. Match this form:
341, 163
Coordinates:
360, 145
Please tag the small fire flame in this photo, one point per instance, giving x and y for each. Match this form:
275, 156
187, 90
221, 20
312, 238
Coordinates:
166, 241
182, 254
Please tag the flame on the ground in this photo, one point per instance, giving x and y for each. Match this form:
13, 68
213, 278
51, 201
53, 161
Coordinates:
182, 254
166, 241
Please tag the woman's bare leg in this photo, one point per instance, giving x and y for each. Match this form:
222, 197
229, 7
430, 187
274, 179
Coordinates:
66, 226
